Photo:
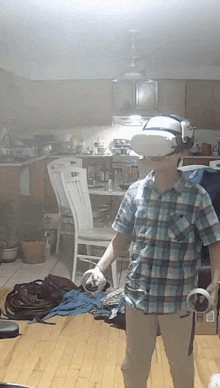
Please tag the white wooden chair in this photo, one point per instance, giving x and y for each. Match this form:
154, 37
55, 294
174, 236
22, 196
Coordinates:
76, 189
55, 169
215, 164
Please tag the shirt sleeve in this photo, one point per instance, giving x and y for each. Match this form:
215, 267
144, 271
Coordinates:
124, 220
207, 221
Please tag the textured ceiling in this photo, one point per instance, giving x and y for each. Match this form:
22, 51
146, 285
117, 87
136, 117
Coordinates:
67, 39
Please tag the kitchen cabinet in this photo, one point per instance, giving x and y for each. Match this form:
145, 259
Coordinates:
202, 103
123, 97
172, 96
198, 100
199, 103
163, 96
22, 178
134, 97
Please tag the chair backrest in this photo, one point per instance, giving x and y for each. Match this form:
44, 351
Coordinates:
215, 164
76, 188
55, 169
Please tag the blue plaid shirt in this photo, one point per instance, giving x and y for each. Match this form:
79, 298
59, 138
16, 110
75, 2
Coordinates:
168, 231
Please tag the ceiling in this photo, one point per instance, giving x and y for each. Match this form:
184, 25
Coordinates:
72, 39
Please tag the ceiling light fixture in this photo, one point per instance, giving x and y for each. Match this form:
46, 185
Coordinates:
133, 70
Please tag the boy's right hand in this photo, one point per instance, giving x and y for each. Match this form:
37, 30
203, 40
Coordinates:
93, 280
97, 276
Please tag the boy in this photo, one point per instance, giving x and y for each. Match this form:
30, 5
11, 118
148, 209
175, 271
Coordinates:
166, 219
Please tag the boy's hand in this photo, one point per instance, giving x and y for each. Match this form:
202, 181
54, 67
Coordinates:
93, 280
213, 290
97, 276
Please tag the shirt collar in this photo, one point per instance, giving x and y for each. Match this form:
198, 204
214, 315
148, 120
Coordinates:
178, 186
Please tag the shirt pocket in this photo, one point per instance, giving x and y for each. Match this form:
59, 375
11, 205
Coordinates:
179, 227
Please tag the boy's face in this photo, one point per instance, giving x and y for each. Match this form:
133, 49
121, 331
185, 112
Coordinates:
163, 162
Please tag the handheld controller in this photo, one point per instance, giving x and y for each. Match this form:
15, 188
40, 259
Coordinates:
89, 285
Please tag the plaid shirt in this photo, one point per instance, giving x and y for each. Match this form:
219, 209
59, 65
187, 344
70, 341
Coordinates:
168, 231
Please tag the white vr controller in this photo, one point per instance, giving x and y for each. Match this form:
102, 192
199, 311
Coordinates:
198, 300
89, 285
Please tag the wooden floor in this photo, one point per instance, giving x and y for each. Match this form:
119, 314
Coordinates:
81, 352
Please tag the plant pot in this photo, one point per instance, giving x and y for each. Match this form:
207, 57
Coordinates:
33, 252
8, 255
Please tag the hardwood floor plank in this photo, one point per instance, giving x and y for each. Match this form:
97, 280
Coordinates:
167, 379
34, 378
19, 359
157, 376
81, 340
203, 371
111, 360
118, 383
101, 354
89, 355
48, 375
82, 382
198, 383
58, 382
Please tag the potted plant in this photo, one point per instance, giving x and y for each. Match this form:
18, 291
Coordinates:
9, 240
31, 233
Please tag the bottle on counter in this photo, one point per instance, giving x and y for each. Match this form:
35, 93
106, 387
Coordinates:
83, 146
110, 179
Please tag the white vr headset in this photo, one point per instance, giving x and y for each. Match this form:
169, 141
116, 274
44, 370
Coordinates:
163, 135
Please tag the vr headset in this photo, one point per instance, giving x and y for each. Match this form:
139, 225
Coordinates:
163, 135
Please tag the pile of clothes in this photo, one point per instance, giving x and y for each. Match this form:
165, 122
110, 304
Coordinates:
109, 307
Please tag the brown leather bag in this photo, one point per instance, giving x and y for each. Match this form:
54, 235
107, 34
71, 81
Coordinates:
34, 300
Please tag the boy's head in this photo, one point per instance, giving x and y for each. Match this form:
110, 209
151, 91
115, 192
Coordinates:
163, 135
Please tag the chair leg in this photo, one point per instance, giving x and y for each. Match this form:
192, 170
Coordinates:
75, 258
58, 238
114, 274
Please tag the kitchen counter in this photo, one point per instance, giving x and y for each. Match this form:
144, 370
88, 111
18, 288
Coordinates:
199, 159
103, 190
202, 157
20, 163
83, 156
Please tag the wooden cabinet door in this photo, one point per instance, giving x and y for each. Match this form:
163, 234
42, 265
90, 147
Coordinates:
123, 96
172, 97
199, 103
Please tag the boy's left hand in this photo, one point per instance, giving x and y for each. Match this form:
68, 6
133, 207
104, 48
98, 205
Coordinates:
213, 290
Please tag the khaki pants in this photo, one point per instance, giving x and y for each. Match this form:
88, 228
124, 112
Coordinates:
177, 334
